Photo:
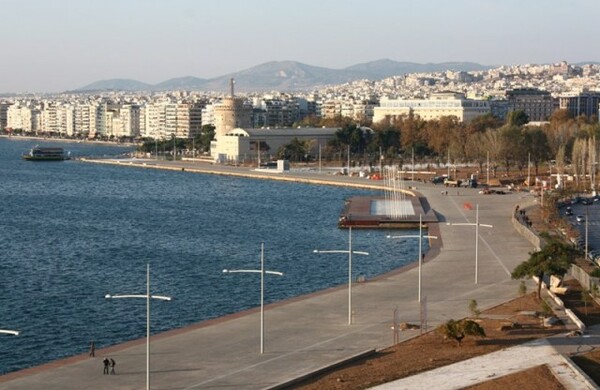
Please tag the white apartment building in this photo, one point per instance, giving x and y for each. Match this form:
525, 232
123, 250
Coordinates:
208, 115
65, 115
166, 119
129, 121
19, 117
437, 106
84, 119
360, 110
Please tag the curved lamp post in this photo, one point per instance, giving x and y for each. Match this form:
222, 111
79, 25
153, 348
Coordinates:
476, 224
420, 237
147, 297
262, 273
349, 252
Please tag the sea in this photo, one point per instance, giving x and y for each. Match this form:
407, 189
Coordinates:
72, 232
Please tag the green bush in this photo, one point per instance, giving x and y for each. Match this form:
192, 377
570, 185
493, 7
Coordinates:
595, 273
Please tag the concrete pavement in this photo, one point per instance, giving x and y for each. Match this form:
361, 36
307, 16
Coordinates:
495, 365
307, 333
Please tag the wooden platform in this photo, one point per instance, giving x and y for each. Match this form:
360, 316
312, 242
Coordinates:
357, 214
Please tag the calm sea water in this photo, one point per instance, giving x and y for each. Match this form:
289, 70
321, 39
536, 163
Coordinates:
71, 232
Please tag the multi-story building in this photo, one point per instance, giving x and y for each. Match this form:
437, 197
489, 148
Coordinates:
582, 103
65, 119
20, 117
208, 115
437, 106
84, 119
129, 121
537, 104
274, 112
49, 118
3, 114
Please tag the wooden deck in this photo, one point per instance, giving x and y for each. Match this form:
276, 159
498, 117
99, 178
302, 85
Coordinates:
357, 214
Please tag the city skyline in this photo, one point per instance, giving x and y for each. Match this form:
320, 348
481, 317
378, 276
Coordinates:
63, 45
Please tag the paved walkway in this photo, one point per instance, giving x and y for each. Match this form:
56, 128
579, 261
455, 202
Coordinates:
311, 332
495, 365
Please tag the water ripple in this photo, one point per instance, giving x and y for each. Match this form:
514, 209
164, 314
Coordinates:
73, 232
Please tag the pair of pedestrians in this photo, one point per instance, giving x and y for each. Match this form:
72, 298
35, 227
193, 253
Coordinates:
109, 364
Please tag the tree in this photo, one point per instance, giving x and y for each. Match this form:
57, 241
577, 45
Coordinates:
481, 123
296, 150
517, 118
511, 146
458, 330
537, 145
350, 135
586, 299
522, 291
473, 308
554, 259
202, 140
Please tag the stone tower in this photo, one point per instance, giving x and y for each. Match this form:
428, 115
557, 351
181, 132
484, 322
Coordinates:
231, 113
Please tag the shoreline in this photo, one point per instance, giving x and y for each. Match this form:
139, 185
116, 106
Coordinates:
66, 140
431, 254
305, 177
310, 330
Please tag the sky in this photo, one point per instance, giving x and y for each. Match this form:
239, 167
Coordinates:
58, 45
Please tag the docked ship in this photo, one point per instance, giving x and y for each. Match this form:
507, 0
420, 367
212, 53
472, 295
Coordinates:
46, 154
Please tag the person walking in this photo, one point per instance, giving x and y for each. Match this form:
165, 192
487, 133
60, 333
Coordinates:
106, 364
92, 349
112, 366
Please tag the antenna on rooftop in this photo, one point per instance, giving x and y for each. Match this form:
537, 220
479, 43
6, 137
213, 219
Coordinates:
231, 83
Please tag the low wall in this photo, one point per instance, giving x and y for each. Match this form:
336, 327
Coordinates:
533, 238
584, 279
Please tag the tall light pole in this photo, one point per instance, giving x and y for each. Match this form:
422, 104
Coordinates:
147, 297
349, 252
586, 231
476, 224
420, 237
319, 157
174, 148
487, 166
413, 165
348, 159
262, 290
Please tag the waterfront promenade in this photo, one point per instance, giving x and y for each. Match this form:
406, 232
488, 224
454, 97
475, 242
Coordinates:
310, 332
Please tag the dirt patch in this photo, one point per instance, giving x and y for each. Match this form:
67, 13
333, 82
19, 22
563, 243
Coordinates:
540, 377
590, 364
588, 313
505, 326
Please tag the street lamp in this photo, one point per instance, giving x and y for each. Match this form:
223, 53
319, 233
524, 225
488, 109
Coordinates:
147, 297
349, 252
476, 224
420, 237
12, 332
262, 273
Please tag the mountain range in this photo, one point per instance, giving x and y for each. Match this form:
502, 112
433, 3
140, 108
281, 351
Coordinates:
284, 76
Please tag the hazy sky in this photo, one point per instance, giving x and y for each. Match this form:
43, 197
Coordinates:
56, 45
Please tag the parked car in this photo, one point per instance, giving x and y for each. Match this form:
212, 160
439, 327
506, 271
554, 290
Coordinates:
580, 218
